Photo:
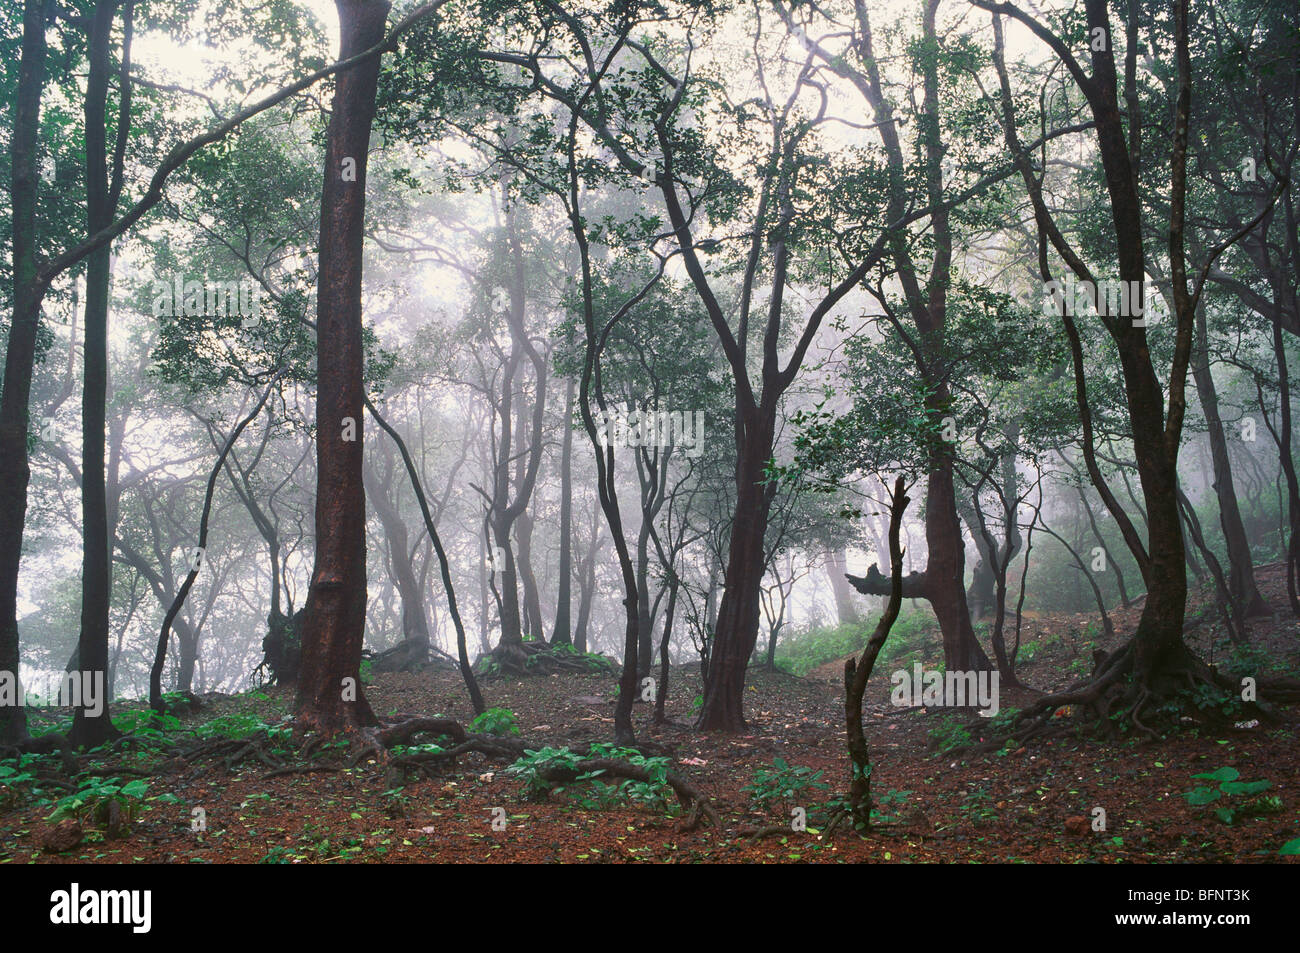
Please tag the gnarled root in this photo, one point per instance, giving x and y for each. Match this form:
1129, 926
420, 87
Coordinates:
537, 658
690, 797
1117, 694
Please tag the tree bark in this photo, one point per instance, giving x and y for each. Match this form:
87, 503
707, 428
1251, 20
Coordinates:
1241, 568
330, 696
586, 593
858, 671
562, 633
736, 630
101, 199
415, 626
20, 356
837, 570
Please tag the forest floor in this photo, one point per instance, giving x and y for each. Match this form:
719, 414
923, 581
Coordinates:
1031, 804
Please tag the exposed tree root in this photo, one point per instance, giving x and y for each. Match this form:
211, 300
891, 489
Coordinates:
410, 655
690, 797
756, 834
231, 752
538, 658
500, 748
402, 732
49, 743
378, 743
1116, 696
300, 769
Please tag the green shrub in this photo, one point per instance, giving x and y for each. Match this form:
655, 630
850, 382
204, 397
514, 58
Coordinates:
1237, 799
784, 785
236, 725
144, 722
596, 793
495, 721
95, 798
949, 734
913, 636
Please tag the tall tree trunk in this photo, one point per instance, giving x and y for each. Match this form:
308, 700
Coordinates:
330, 697
506, 511
1283, 438
20, 356
562, 633
945, 570
846, 609
736, 630
645, 611
1157, 646
665, 643
586, 594
91, 730
1241, 569
485, 603
415, 626
532, 594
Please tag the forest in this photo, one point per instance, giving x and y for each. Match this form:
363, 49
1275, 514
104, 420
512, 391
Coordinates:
662, 431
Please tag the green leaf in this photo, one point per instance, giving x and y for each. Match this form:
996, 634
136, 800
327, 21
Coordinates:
1245, 787
1199, 797
1291, 848
1222, 774
134, 788
1225, 814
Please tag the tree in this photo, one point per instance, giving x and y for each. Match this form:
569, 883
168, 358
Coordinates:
1156, 656
33, 277
20, 355
102, 195
330, 697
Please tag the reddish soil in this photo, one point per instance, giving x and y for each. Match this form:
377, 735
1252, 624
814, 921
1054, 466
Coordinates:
1034, 804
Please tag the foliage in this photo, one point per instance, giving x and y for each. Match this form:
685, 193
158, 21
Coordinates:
1247, 797
145, 722
949, 734
654, 793
237, 725
913, 636
784, 785
96, 796
495, 721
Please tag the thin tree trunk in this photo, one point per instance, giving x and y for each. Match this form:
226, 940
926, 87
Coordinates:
1242, 590
858, 671
197, 557
562, 633
462, 647
586, 589
665, 642
415, 626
